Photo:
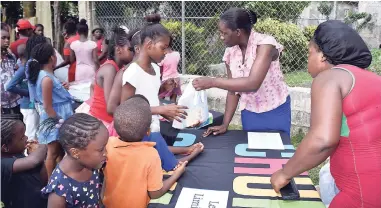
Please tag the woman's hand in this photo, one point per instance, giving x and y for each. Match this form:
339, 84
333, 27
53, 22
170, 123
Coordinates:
215, 130
203, 83
172, 111
279, 180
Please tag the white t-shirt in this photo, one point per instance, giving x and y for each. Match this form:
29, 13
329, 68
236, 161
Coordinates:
61, 73
147, 85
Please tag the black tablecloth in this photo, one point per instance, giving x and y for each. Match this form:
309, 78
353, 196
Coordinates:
170, 133
225, 158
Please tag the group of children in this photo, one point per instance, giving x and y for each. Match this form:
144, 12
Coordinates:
68, 166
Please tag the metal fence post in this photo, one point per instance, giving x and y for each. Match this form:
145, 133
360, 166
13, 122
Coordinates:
183, 36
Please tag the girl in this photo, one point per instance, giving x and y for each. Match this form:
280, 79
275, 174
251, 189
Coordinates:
345, 119
9, 101
254, 76
39, 30
120, 54
143, 77
52, 100
75, 181
22, 177
70, 35
85, 53
99, 38
170, 80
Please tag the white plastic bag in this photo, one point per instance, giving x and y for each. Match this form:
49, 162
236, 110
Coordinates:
198, 112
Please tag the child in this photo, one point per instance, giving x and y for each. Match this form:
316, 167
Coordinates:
148, 75
75, 181
170, 81
19, 85
133, 173
9, 101
99, 38
21, 177
84, 52
52, 100
120, 54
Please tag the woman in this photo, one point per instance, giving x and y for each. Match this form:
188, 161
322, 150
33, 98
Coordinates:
70, 35
84, 51
99, 38
254, 76
345, 118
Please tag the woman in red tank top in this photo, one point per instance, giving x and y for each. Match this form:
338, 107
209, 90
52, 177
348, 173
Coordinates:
98, 36
120, 53
70, 35
345, 119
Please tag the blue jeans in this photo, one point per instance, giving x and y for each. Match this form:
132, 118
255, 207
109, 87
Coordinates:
168, 159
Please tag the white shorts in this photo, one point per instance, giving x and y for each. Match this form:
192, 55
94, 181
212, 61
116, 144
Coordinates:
31, 121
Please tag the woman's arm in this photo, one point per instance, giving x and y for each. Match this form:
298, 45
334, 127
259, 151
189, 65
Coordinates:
95, 59
231, 102
324, 134
104, 50
115, 94
66, 56
265, 55
15, 81
47, 95
72, 56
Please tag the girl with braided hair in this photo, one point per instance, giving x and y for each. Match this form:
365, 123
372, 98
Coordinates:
53, 102
22, 177
255, 78
76, 181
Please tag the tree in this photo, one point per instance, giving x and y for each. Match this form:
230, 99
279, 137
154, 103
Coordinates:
279, 10
354, 18
325, 8
58, 40
29, 9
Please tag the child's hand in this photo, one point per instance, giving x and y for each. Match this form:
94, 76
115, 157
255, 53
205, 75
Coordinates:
65, 85
31, 146
180, 168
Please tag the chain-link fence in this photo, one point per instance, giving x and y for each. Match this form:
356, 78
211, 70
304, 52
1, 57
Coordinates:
194, 27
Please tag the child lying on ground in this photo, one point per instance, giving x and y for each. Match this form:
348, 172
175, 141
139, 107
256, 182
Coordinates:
133, 173
75, 182
21, 177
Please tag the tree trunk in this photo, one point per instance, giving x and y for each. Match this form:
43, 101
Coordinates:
57, 37
28, 9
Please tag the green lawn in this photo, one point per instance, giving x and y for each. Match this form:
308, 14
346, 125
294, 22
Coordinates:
295, 140
298, 79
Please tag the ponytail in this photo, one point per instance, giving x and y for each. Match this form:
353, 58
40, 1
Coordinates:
40, 56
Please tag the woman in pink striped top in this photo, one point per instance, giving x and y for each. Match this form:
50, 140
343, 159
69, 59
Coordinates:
255, 80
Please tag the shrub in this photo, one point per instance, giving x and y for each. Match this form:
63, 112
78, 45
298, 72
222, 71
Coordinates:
376, 61
196, 53
294, 56
309, 31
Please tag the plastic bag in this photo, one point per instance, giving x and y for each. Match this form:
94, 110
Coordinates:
198, 112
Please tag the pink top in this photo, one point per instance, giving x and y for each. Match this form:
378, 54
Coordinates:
169, 65
273, 91
85, 69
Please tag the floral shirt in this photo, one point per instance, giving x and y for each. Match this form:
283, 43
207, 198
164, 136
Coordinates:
77, 194
273, 91
7, 68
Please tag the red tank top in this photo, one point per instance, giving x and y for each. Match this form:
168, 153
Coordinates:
72, 67
356, 163
99, 106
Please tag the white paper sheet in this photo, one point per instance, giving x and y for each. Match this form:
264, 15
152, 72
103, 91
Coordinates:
258, 140
201, 198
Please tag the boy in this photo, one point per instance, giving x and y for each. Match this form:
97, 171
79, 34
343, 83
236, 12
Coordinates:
133, 173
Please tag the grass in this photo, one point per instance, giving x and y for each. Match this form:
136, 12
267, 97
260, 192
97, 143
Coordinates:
295, 140
298, 79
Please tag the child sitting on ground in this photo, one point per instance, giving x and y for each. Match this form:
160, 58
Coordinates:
22, 177
133, 173
76, 182
170, 80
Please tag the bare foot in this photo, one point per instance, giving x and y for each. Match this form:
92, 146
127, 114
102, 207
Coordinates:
198, 149
192, 148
